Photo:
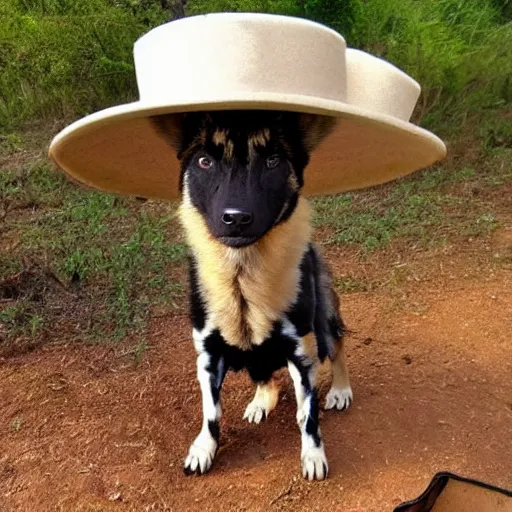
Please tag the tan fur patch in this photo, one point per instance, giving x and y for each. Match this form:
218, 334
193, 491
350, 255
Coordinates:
268, 393
258, 139
246, 290
293, 182
340, 378
220, 137
201, 138
309, 346
315, 128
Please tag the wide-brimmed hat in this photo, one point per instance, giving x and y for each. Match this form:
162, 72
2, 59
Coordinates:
252, 61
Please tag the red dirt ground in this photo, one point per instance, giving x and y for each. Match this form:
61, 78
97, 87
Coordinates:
83, 429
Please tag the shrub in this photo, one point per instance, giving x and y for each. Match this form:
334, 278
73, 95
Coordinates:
65, 58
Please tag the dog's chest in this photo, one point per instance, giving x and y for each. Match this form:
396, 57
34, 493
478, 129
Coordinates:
261, 360
246, 308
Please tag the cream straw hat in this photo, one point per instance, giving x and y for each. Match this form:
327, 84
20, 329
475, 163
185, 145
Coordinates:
253, 61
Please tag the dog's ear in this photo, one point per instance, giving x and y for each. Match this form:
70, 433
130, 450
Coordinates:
314, 128
170, 128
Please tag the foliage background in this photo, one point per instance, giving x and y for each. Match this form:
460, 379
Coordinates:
65, 58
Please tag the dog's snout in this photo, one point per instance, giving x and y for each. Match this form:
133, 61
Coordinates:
236, 218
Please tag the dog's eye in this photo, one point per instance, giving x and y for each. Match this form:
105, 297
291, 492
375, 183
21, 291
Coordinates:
205, 162
272, 161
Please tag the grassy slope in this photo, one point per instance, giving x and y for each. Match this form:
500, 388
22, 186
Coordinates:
78, 263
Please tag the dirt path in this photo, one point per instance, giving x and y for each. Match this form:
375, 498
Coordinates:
82, 429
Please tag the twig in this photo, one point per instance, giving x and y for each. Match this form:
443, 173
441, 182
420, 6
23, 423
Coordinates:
57, 281
284, 493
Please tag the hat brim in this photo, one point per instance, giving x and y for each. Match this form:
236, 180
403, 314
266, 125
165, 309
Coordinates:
119, 149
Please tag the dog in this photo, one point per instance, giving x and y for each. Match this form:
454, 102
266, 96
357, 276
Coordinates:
261, 296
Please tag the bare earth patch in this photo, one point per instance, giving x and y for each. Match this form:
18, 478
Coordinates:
84, 429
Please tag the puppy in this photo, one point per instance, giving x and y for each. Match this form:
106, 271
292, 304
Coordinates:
261, 296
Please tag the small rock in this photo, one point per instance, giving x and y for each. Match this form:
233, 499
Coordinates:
407, 359
115, 496
367, 341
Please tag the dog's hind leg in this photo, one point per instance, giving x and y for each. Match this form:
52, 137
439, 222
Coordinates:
210, 373
329, 331
340, 395
264, 401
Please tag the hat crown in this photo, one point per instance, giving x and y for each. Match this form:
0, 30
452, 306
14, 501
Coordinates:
239, 55
203, 55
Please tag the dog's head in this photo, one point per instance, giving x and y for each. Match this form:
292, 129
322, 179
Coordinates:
243, 170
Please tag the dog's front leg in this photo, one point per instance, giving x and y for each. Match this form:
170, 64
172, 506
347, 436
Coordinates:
313, 459
210, 373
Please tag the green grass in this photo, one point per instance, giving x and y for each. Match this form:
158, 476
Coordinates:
66, 58
20, 319
497, 132
92, 262
373, 226
423, 209
8, 265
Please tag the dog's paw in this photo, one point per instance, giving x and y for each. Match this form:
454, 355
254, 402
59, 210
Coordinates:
199, 460
339, 398
263, 403
314, 464
255, 413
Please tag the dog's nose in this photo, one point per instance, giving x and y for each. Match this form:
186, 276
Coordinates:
236, 218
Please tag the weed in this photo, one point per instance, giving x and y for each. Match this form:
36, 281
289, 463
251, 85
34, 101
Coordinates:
139, 351
347, 284
16, 424
10, 143
9, 265
496, 132
20, 319
482, 225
